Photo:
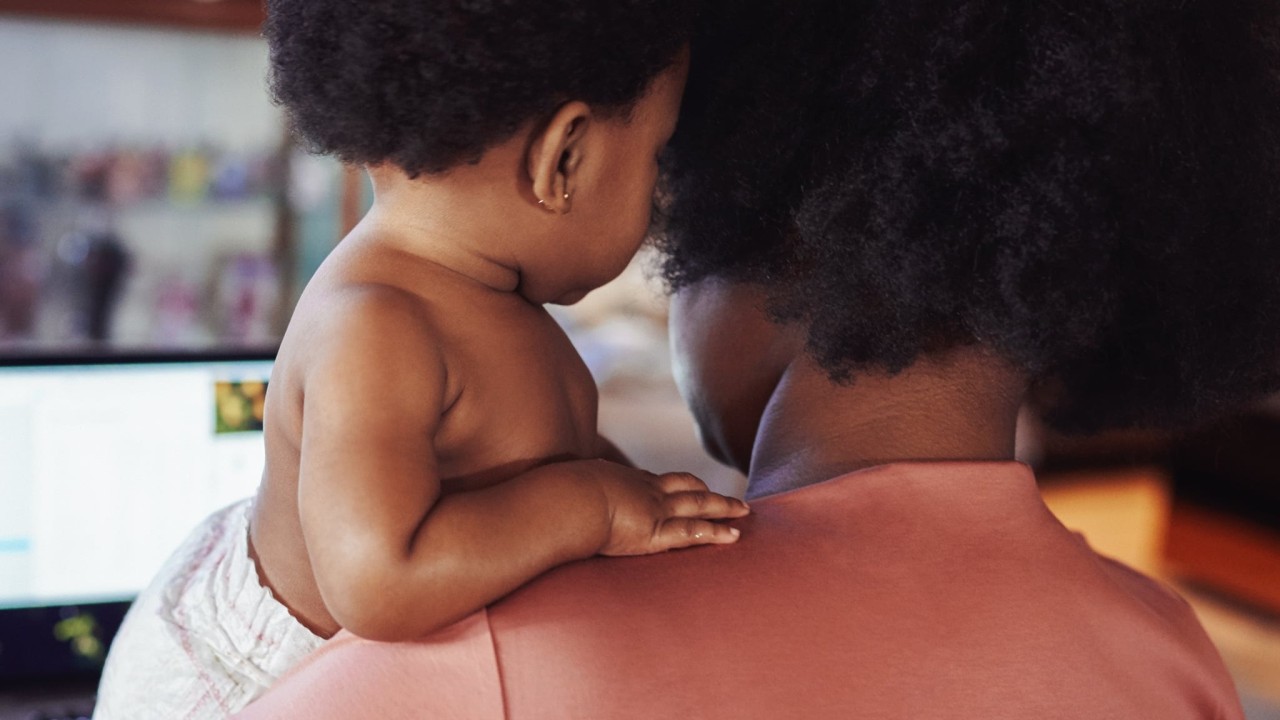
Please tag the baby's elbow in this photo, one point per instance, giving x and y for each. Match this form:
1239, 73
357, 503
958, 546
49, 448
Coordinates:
376, 602
378, 622
364, 600
359, 610
372, 622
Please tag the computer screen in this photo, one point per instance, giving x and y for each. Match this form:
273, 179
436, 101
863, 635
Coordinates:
106, 467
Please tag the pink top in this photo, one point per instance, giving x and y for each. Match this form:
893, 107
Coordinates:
902, 591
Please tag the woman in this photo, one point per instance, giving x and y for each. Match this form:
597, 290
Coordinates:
892, 224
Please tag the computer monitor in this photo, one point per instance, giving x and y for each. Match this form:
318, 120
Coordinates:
105, 466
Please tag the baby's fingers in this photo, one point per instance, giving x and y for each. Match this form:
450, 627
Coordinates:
703, 504
679, 482
676, 533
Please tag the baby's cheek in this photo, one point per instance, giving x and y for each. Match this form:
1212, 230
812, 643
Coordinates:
645, 210
640, 225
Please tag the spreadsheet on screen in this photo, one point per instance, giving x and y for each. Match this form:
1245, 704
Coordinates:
104, 469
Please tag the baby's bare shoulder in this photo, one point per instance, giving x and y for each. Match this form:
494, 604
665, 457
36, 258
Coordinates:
361, 307
348, 327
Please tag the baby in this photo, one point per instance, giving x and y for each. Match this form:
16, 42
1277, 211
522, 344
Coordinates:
431, 434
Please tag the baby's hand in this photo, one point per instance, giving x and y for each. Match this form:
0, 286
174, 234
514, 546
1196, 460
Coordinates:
655, 513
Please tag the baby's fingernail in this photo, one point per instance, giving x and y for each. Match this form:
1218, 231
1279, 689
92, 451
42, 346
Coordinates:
735, 532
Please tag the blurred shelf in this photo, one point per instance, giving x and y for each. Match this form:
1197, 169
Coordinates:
1130, 515
1225, 552
226, 15
1123, 513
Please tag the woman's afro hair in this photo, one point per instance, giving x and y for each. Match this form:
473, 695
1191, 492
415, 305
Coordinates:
1089, 187
430, 84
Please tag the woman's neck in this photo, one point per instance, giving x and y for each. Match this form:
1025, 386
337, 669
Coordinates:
959, 406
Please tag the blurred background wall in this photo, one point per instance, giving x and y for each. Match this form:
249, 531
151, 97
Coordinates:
149, 195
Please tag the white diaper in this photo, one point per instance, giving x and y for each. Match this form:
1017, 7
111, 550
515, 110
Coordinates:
206, 638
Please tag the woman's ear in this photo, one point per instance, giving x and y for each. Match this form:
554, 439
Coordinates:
728, 357
556, 154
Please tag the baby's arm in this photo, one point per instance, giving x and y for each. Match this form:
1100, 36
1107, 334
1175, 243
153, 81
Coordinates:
392, 558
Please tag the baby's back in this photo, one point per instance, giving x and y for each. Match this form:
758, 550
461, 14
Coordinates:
517, 395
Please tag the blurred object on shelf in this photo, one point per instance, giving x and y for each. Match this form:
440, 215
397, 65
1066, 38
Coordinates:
86, 276
102, 262
188, 177
1225, 527
20, 274
177, 305
247, 295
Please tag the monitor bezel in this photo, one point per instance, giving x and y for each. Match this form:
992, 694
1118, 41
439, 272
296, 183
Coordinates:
95, 359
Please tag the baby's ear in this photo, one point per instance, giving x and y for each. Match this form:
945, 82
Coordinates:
556, 154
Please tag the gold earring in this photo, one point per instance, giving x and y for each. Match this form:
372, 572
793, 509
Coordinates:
543, 203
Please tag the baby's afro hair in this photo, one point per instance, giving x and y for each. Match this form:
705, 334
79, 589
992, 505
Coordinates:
1089, 187
430, 84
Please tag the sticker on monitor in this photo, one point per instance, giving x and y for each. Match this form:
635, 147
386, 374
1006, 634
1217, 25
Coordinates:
239, 406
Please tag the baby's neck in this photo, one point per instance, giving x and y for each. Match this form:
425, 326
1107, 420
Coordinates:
447, 220
420, 239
